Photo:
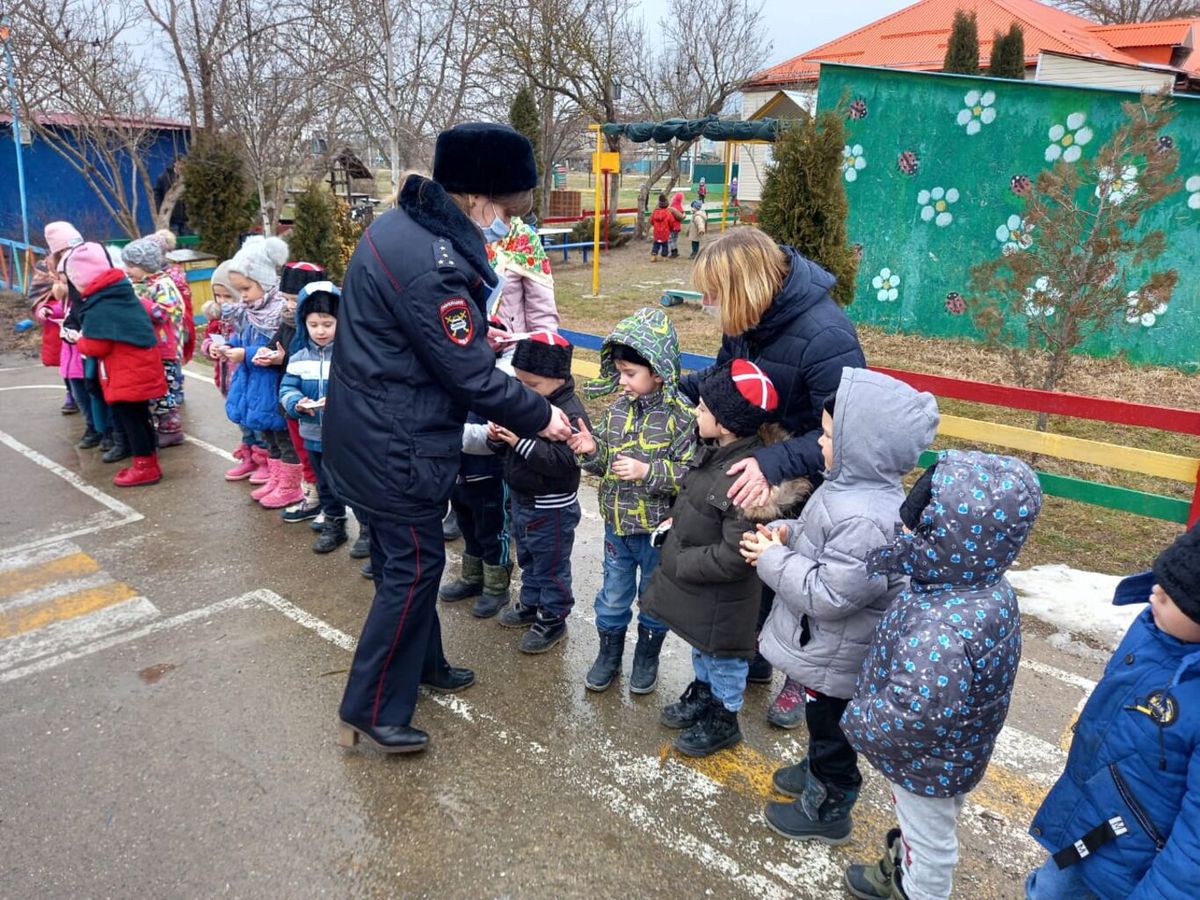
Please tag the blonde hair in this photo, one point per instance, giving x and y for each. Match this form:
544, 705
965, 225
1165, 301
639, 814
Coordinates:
744, 270
165, 238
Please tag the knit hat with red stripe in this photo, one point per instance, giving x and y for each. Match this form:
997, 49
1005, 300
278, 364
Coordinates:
544, 353
740, 396
296, 275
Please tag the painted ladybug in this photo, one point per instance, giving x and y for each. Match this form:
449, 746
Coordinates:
1020, 185
908, 162
1165, 143
955, 304
858, 109
858, 251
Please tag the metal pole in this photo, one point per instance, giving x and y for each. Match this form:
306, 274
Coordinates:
725, 193
596, 215
5, 32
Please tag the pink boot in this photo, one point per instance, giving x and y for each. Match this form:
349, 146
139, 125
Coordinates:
274, 467
287, 487
245, 464
261, 470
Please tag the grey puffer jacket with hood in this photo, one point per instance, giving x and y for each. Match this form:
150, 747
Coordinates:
826, 602
935, 687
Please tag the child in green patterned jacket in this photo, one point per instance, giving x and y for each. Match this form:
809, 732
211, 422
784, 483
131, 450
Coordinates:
640, 448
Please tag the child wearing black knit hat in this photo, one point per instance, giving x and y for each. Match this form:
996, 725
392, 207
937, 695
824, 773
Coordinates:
1124, 818
543, 481
703, 589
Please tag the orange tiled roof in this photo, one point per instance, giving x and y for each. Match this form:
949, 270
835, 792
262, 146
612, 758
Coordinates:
1146, 34
915, 38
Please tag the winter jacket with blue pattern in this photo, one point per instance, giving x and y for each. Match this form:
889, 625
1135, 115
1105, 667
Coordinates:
935, 687
827, 603
1136, 754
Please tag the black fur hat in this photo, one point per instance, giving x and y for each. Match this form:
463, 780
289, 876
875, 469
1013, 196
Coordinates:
296, 275
484, 158
740, 396
1177, 570
544, 353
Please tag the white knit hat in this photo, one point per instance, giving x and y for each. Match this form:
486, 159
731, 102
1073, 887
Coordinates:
260, 259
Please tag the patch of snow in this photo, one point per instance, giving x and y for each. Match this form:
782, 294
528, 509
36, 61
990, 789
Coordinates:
1074, 601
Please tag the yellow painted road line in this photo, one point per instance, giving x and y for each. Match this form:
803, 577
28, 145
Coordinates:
80, 603
1060, 446
29, 578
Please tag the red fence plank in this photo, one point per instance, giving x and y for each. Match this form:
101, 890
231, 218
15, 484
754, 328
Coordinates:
1166, 418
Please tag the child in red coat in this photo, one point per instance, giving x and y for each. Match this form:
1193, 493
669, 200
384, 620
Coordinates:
661, 223
117, 333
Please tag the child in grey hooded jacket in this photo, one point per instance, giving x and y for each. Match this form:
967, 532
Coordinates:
827, 603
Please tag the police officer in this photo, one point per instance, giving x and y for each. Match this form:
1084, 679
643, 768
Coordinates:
411, 359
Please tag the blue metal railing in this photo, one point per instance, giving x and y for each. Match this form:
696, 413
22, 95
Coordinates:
14, 273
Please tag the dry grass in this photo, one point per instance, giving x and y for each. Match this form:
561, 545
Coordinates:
1078, 534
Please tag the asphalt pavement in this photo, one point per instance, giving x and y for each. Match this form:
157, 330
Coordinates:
171, 660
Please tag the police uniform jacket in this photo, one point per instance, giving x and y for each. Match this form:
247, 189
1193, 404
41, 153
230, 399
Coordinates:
412, 359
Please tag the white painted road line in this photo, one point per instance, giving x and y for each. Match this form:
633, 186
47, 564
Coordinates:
1084, 684
36, 556
59, 637
211, 448
57, 589
194, 615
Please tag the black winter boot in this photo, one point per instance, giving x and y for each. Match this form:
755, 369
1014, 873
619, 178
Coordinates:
716, 730
495, 592
120, 448
880, 881
608, 660
690, 707
791, 780
644, 675
91, 438
822, 813
333, 535
546, 632
366, 571
450, 529
468, 584
362, 543
106, 441
760, 670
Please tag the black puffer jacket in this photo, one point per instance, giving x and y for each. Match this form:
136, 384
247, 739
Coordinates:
412, 358
537, 467
803, 342
703, 589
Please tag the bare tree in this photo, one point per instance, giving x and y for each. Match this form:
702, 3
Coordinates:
1111, 12
698, 76
196, 32
84, 95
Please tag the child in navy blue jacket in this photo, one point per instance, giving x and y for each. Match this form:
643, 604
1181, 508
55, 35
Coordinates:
1124, 818
543, 481
302, 394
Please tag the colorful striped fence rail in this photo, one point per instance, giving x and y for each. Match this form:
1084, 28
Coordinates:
1171, 466
16, 264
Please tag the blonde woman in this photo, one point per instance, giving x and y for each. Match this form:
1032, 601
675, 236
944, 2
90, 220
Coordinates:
777, 312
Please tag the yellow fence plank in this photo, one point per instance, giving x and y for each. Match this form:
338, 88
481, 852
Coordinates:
585, 368
1112, 456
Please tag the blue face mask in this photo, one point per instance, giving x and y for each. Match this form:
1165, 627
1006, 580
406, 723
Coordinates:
498, 230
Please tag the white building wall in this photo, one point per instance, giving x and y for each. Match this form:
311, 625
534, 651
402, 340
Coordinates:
1072, 70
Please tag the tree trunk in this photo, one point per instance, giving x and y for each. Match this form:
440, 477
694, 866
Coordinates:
264, 211
670, 164
162, 215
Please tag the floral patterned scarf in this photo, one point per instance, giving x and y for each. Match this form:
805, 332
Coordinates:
521, 251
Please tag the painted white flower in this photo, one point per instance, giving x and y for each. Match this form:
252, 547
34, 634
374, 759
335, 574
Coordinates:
1041, 297
853, 161
886, 284
935, 205
1015, 234
977, 110
1192, 185
1139, 312
1117, 187
1067, 140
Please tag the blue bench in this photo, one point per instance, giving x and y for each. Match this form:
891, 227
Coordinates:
584, 246
675, 297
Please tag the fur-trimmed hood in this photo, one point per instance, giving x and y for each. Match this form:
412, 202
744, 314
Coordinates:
785, 497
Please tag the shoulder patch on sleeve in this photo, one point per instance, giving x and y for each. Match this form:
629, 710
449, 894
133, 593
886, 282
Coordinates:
455, 314
443, 256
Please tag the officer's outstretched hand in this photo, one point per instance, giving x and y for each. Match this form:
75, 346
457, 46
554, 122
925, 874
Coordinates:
559, 428
582, 441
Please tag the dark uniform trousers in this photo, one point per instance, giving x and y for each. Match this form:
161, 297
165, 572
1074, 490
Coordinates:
401, 641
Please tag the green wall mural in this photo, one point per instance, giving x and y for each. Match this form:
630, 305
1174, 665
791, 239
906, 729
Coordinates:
935, 168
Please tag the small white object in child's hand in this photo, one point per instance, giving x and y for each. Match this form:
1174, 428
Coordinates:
216, 340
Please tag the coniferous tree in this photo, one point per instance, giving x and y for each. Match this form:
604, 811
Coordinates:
314, 230
216, 194
804, 198
523, 116
1008, 54
962, 51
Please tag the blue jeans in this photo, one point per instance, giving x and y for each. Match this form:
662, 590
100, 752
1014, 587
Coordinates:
544, 541
623, 557
726, 675
1052, 883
